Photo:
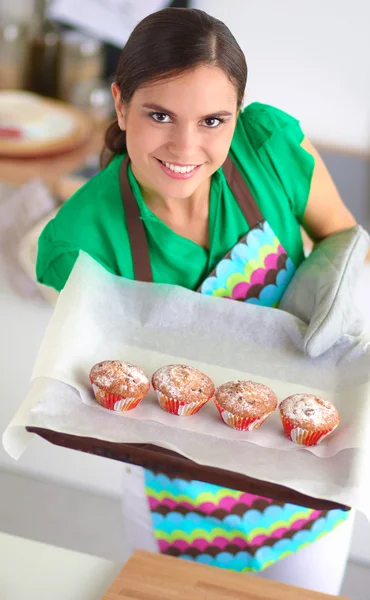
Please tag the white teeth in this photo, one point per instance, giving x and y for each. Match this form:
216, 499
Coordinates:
177, 169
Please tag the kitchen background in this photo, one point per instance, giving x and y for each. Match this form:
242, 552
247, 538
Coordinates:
310, 58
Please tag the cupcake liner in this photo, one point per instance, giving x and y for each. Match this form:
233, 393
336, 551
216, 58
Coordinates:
178, 407
240, 423
113, 402
304, 437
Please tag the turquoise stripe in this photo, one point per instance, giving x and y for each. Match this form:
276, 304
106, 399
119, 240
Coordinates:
252, 520
244, 561
159, 482
246, 525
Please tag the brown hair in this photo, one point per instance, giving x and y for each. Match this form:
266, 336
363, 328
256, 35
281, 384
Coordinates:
169, 42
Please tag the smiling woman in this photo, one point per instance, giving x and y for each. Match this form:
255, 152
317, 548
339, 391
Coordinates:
193, 179
177, 107
178, 133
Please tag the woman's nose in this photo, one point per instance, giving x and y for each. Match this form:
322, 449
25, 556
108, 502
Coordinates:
184, 142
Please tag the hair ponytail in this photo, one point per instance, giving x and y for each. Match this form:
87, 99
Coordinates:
114, 143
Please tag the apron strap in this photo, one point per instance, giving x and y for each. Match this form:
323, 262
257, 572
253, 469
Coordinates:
242, 193
135, 228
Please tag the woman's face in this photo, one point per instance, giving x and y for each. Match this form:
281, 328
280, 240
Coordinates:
179, 131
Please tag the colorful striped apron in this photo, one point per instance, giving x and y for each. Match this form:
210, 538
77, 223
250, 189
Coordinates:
204, 522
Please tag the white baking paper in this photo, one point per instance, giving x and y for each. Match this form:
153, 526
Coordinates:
100, 316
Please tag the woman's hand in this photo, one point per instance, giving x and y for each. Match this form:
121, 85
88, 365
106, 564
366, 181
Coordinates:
326, 212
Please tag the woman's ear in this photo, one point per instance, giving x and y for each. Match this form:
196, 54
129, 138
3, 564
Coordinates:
119, 106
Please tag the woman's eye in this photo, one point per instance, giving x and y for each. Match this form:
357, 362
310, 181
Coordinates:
213, 122
160, 117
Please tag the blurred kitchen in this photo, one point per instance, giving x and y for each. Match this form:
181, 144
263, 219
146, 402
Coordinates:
57, 61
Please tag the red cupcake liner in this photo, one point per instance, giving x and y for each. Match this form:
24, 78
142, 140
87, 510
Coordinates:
178, 407
240, 423
304, 437
113, 402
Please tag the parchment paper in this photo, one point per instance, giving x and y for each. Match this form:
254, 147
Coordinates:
101, 316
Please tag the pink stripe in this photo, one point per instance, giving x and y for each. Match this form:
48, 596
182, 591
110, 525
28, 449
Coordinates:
153, 502
227, 503
314, 515
259, 540
208, 507
258, 276
163, 545
181, 545
172, 504
239, 290
271, 261
201, 544
221, 542
249, 499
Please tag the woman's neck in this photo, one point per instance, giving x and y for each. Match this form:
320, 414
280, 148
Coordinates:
193, 204
187, 217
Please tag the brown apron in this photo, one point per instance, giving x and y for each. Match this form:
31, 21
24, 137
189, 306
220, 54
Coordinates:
136, 231
256, 270
201, 521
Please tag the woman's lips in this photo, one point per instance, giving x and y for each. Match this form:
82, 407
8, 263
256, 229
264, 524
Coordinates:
176, 175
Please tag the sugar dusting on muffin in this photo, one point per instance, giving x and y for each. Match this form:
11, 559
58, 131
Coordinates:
182, 382
308, 419
246, 398
119, 378
182, 390
310, 411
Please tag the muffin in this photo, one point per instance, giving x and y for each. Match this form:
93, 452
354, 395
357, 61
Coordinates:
307, 419
118, 385
182, 390
245, 405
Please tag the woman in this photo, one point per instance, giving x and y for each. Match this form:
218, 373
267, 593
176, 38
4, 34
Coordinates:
201, 173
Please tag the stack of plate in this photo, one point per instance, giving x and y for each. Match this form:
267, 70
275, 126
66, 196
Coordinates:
33, 126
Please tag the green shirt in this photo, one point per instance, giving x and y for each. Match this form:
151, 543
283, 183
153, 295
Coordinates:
266, 149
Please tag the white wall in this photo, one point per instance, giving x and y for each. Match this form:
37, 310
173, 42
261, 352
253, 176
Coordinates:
308, 57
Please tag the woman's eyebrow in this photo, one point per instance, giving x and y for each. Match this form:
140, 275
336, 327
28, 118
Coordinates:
166, 111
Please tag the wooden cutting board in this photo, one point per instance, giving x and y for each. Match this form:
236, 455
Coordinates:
149, 576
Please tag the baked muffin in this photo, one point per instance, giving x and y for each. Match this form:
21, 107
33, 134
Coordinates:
308, 419
245, 405
182, 390
118, 385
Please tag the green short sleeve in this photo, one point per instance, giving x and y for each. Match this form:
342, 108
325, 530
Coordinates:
55, 259
279, 137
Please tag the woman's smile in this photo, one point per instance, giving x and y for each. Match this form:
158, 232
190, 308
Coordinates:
178, 171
